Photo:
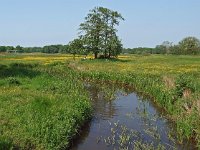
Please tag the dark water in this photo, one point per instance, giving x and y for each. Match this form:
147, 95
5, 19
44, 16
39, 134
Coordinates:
124, 120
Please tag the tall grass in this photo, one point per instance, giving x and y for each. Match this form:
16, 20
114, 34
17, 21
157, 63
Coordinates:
41, 107
33, 98
172, 82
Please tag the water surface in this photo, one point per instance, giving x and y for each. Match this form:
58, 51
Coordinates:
124, 120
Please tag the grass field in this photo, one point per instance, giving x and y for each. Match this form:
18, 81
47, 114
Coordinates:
42, 107
173, 82
36, 111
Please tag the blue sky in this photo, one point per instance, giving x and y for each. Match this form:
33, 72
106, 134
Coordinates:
148, 22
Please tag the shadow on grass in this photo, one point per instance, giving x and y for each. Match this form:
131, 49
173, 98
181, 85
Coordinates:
118, 60
107, 60
4, 145
18, 69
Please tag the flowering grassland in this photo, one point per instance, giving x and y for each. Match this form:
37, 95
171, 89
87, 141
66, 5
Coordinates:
42, 106
173, 82
38, 57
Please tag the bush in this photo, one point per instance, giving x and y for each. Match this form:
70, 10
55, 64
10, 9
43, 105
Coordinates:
183, 83
13, 81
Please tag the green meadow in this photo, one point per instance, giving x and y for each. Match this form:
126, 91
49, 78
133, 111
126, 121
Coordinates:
44, 103
42, 107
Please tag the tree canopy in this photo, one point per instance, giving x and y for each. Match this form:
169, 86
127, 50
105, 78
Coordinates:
100, 33
190, 45
76, 47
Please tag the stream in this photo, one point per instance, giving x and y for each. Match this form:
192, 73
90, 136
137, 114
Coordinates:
124, 120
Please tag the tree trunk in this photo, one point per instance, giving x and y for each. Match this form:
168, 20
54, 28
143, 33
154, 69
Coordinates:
105, 51
109, 53
95, 55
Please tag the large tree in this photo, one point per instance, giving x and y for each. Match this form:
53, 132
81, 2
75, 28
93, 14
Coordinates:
76, 47
164, 48
99, 31
190, 45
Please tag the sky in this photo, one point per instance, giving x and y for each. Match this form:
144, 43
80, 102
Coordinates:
147, 22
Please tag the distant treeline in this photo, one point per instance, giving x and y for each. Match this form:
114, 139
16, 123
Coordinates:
45, 49
187, 46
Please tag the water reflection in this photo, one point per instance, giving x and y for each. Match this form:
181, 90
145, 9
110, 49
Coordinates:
122, 120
